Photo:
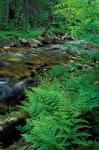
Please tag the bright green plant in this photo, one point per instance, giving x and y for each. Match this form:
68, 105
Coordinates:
53, 122
81, 16
30, 34
55, 108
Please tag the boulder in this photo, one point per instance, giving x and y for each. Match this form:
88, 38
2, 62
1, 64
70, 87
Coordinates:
11, 118
34, 43
8, 131
13, 93
30, 42
22, 42
40, 38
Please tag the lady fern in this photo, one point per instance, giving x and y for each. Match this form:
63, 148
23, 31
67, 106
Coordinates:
55, 121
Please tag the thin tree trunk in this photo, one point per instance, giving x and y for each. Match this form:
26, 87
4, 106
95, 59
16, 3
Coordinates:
38, 11
6, 11
25, 13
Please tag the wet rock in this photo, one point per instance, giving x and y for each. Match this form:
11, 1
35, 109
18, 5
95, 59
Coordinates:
15, 42
23, 84
3, 64
6, 47
1, 45
10, 119
5, 93
67, 37
5, 44
8, 131
4, 80
56, 47
40, 38
24, 41
34, 43
13, 93
52, 39
5, 90
30, 42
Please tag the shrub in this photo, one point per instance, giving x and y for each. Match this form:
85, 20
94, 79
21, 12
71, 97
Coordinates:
81, 17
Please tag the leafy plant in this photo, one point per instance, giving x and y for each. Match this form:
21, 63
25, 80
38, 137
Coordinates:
55, 109
81, 17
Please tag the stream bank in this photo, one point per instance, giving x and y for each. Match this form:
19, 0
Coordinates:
20, 67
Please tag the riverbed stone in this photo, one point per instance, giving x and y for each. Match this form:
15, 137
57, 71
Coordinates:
34, 43
8, 124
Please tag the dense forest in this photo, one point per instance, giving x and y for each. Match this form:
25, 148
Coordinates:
19, 14
49, 74
72, 16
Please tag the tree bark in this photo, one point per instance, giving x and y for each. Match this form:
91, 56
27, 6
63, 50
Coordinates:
25, 13
6, 11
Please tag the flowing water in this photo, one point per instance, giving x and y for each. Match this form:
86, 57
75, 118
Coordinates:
22, 63
18, 70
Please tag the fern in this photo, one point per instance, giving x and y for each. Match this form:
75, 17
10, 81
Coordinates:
55, 121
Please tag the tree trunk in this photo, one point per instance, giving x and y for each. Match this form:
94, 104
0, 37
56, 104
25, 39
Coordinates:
6, 11
38, 12
25, 14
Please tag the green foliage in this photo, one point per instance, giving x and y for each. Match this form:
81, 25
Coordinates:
22, 15
57, 28
56, 71
81, 17
92, 55
55, 108
30, 34
76, 17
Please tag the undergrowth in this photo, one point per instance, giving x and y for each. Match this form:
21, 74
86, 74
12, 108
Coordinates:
56, 110
24, 34
81, 18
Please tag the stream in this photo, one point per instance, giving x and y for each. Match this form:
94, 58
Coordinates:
19, 68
